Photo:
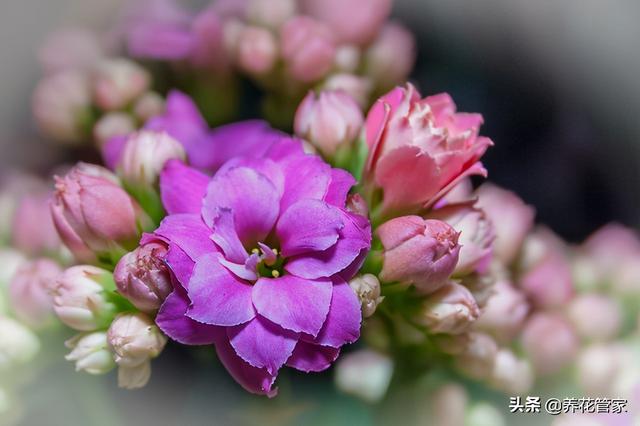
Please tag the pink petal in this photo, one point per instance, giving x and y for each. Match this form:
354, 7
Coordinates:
308, 225
262, 343
225, 236
182, 188
180, 264
339, 186
306, 177
252, 198
308, 357
475, 169
217, 296
252, 379
293, 303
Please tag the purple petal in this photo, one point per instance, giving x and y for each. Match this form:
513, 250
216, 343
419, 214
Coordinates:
251, 138
252, 198
182, 188
182, 121
355, 238
172, 321
265, 166
188, 232
343, 322
306, 177
308, 357
293, 303
252, 379
341, 183
112, 151
217, 296
157, 41
244, 271
285, 147
308, 225
262, 343
226, 237
180, 264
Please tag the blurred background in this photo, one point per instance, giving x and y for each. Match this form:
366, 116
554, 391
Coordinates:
557, 83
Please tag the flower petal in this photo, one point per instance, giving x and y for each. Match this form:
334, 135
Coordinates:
306, 177
188, 232
262, 343
182, 188
226, 237
217, 296
343, 322
355, 238
293, 303
174, 323
308, 225
180, 264
252, 379
308, 357
339, 186
252, 198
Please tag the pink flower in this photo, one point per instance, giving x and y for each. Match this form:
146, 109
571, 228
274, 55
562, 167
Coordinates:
33, 230
117, 82
29, 291
476, 236
308, 48
419, 149
546, 278
358, 87
270, 13
450, 310
418, 251
95, 217
550, 342
505, 312
257, 50
142, 276
352, 21
330, 121
595, 316
390, 58
511, 217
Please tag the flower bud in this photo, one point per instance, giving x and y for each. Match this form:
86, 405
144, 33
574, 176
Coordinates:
484, 414
550, 342
62, 106
365, 374
95, 217
596, 366
118, 82
505, 312
134, 377
91, 353
367, 287
389, 60
447, 405
450, 310
135, 339
111, 125
144, 156
352, 21
148, 105
270, 13
33, 230
510, 374
329, 121
418, 251
308, 48
80, 297
29, 291
357, 205
595, 317
142, 276
476, 236
358, 87
546, 278
18, 344
478, 358
347, 58
257, 50
511, 217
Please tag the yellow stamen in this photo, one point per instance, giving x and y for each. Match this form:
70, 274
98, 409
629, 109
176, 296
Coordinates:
275, 273
275, 251
255, 251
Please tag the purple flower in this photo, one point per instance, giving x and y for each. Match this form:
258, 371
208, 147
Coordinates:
261, 254
206, 149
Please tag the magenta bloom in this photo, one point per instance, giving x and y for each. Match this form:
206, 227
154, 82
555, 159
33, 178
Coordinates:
261, 254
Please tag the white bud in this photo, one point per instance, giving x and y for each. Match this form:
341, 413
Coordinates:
365, 374
90, 352
367, 287
18, 344
134, 377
